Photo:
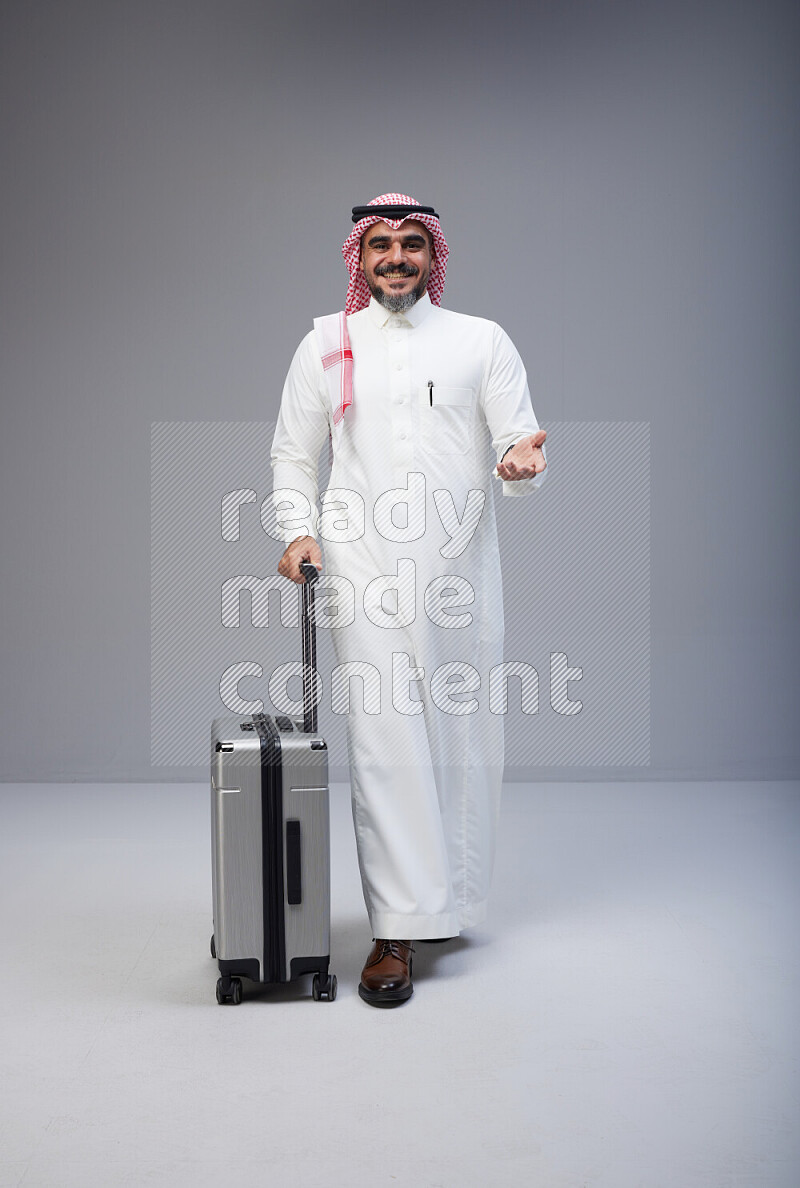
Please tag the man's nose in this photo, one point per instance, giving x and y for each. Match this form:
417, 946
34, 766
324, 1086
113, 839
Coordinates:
396, 254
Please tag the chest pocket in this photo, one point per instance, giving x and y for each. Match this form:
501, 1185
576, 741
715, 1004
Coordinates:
446, 419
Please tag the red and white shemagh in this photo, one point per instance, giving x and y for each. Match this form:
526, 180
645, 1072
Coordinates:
337, 358
334, 341
358, 293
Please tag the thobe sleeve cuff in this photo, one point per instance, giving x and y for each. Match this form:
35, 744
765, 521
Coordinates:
291, 535
294, 505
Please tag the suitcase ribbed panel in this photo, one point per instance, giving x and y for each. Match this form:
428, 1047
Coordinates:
272, 848
237, 852
305, 799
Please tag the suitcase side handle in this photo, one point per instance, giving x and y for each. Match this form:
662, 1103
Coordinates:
294, 863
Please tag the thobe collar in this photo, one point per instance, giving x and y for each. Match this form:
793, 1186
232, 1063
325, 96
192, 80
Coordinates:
412, 317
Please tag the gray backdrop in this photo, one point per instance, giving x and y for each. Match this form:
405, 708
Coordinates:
618, 185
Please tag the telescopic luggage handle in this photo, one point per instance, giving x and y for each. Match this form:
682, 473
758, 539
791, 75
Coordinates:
309, 645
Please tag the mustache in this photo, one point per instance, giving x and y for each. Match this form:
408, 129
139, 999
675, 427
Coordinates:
402, 269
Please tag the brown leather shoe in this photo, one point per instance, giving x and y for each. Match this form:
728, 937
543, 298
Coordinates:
386, 977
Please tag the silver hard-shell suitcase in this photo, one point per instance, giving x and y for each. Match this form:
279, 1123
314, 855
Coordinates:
271, 842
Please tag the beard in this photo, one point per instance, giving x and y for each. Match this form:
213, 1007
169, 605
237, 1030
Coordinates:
397, 302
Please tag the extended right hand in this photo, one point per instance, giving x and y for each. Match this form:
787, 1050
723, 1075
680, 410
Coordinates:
305, 548
525, 460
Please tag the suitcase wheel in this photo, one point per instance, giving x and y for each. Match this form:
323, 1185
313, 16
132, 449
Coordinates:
213, 948
232, 993
326, 988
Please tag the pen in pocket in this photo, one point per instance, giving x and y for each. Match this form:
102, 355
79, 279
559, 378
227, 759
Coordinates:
430, 392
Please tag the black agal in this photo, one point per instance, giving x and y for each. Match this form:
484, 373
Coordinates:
391, 212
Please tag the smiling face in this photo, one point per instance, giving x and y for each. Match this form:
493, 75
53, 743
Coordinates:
397, 264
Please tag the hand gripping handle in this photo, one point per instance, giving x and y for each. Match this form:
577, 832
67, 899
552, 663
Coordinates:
309, 653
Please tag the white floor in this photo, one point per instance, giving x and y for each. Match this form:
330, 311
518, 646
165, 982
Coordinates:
626, 1019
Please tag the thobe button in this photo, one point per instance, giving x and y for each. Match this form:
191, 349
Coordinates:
403, 436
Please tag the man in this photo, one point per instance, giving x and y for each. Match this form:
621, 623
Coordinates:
412, 396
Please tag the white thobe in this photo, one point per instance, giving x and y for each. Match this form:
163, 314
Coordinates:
431, 391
